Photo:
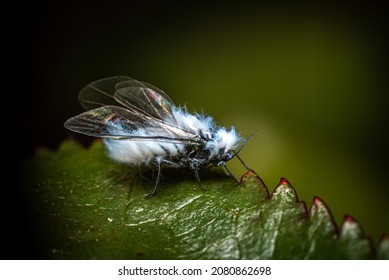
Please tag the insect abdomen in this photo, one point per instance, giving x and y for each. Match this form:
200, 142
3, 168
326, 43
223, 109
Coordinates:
142, 152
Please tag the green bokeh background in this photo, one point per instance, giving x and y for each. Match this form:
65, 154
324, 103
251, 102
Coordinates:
309, 79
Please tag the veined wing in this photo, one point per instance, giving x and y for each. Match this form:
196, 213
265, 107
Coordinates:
130, 93
100, 93
120, 123
146, 98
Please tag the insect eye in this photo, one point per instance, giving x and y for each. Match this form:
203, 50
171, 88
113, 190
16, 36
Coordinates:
228, 156
223, 157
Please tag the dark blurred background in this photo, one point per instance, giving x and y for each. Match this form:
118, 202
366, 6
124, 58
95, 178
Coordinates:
311, 79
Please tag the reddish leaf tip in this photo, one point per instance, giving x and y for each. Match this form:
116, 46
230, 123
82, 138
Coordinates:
348, 219
316, 200
249, 173
351, 229
384, 237
285, 191
284, 181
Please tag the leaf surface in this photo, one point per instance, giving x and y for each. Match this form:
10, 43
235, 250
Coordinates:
84, 206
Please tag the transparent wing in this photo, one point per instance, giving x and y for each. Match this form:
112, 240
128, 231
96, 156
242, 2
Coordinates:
100, 93
146, 98
130, 93
120, 123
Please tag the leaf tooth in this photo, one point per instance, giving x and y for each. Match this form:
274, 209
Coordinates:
284, 192
250, 177
383, 248
321, 217
318, 207
352, 239
283, 181
350, 228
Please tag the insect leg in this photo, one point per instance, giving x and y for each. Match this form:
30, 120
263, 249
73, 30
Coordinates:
156, 183
196, 172
140, 173
229, 171
248, 168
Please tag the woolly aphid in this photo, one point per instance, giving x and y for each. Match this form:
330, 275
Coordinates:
141, 126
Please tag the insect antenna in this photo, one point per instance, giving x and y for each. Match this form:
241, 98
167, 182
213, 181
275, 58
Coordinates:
240, 149
245, 142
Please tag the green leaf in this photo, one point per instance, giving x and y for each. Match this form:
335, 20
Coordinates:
84, 206
383, 248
